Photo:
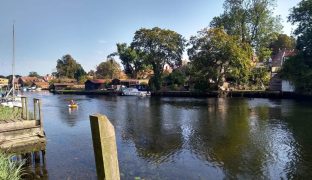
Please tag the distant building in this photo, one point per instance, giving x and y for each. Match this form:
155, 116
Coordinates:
129, 82
42, 85
48, 78
4, 82
96, 84
26, 81
277, 60
61, 86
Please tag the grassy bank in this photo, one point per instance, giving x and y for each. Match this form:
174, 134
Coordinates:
9, 170
7, 113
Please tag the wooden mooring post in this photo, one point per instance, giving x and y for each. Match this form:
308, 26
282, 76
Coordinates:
105, 148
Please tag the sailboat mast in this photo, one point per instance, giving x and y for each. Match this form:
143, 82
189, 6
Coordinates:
13, 63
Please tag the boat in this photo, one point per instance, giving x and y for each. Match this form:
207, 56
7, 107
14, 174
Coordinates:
73, 105
13, 100
134, 92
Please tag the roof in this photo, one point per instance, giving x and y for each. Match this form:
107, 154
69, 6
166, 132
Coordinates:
28, 79
277, 59
41, 83
99, 81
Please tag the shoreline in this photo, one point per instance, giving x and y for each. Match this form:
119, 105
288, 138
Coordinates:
245, 94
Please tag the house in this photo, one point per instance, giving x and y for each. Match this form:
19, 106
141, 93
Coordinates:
42, 85
26, 81
96, 84
4, 82
48, 78
61, 86
129, 82
277, 60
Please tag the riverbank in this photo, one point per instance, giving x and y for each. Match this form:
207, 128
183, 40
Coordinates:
246, 94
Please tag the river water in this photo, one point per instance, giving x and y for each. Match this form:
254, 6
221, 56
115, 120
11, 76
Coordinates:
181, 138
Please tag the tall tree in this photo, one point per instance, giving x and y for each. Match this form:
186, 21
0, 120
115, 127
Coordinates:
108, 69
215, 55
130, 59
159, 47
299, 68
33, 74
302, 16
68, 67
252, 21
283, 42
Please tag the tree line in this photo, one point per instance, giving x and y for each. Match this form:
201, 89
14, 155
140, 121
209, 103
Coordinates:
245, 34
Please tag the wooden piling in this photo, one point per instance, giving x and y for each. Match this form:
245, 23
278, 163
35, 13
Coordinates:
105, 148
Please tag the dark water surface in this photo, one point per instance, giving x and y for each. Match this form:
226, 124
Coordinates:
182, 138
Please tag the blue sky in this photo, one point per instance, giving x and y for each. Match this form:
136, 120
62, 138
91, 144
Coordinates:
89, 29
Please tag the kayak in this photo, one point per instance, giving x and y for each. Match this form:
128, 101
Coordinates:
72, 105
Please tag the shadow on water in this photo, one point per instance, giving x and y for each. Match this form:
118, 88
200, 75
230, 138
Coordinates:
183, 138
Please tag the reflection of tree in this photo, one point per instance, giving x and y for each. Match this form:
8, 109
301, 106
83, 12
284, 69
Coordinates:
225, 138
299, 122
153, 130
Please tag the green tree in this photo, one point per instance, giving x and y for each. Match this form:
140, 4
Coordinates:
252, 21
68, 67
159, 47
130, 59
33, 74
298, 69
108, 69
215, 56
283, 42
302, 16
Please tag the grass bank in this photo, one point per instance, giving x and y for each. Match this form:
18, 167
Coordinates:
9, 169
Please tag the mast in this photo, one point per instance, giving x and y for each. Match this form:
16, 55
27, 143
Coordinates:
13, 64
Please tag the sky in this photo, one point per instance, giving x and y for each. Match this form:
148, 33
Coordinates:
45, 30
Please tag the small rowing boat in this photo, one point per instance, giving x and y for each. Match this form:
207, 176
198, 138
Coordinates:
72, 105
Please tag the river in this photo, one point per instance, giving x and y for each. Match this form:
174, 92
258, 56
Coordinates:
181, 138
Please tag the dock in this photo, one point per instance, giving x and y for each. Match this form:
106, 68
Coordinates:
24, 135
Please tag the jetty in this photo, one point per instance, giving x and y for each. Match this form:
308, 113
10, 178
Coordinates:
24, 135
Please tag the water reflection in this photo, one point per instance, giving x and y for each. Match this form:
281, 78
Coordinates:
184, 138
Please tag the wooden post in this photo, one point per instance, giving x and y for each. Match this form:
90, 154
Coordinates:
40, 113
105, 148
23, 107
26, 108
35, 109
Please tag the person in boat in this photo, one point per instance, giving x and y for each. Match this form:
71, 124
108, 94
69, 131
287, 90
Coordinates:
72, 102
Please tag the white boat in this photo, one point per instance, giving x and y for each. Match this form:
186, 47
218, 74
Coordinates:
134, 92
38, 89
11, 100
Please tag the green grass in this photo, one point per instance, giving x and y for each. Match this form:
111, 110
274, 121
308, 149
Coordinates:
7, 113
9, 169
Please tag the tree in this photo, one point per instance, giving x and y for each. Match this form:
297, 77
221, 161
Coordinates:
302, 16
252, 21
283, 42
215, 55
33, 74
68, 67
108, 69
298, 69
130, 59
159, 47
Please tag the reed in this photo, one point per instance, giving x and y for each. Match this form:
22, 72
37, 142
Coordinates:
9, 169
